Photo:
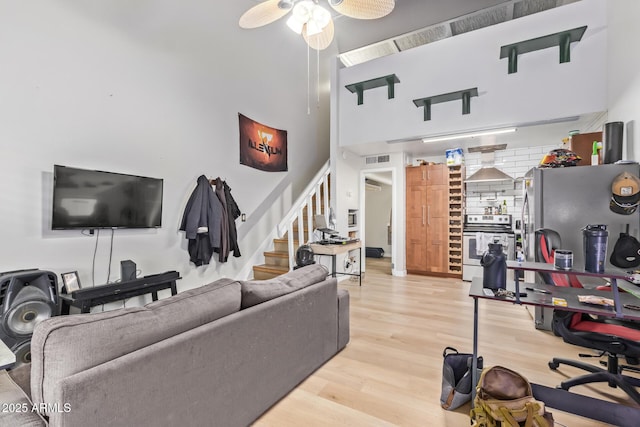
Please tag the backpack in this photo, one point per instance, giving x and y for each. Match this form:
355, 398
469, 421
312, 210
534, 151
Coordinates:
457, 378
504, 398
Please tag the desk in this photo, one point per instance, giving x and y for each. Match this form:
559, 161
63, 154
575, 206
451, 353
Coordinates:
7, 358
334, 250
563, 400
86, 298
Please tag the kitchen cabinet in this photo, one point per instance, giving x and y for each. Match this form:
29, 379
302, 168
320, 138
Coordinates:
426, 175
427, 218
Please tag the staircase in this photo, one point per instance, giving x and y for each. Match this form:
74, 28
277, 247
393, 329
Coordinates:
297, 226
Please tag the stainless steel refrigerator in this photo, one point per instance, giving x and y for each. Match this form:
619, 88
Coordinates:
568, 199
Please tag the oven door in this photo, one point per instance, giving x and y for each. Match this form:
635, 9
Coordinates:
471, 254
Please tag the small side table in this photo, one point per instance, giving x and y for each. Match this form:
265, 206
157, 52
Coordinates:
333, 250
7, 358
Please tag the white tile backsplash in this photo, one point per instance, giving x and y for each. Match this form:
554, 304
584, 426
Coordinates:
515, 163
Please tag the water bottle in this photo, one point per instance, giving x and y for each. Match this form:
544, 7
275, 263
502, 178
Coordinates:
594, 239
494, 264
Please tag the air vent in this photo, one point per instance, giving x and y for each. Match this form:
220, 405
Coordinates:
479, 20
377, 159
525, 8
427, 35
364, 54
505, 11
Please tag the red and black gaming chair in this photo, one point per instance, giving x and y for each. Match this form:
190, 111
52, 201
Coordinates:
611, 339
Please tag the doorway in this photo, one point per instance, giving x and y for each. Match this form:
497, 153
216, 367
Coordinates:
377, 226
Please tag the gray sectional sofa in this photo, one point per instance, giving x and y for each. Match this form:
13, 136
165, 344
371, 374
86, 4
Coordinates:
218, 355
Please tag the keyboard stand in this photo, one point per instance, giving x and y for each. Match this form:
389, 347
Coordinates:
86, 298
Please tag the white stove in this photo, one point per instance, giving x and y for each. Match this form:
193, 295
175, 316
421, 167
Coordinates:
480, 230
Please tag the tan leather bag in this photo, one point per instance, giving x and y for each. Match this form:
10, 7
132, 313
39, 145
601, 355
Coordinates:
504, 398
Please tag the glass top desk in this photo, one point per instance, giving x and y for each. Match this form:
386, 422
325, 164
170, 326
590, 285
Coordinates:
563, 400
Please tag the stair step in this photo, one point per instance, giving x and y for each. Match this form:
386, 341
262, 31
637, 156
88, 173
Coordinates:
264, 272
277, 261
277, 258
282, 245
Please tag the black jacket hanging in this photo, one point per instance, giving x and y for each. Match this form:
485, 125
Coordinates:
223, 249
233, 212
202, 222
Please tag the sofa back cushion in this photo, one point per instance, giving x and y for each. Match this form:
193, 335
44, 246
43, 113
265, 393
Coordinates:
257, 291
65, 345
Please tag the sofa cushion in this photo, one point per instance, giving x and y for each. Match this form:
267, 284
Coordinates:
21, 375
257, 291
198, 306
17, 409
65, 345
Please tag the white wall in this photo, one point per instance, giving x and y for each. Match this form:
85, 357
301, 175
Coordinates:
152, 89
541, 90
624, 71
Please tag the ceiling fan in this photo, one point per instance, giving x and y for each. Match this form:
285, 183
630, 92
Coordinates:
312, 20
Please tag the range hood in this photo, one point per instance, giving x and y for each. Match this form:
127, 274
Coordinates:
488, 174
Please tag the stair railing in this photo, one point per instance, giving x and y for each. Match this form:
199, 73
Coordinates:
319, 183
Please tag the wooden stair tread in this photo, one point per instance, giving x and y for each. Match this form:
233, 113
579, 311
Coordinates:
271, 268
284, 239
279, 254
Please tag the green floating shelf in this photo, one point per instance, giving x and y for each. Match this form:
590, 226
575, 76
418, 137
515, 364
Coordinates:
562, 39
360, 87
464, 95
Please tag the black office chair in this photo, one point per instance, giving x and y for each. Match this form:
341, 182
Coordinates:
611, 339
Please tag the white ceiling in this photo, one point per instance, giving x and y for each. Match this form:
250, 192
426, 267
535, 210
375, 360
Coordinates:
407, 16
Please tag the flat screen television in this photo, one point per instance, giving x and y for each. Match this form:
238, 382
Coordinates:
88, 199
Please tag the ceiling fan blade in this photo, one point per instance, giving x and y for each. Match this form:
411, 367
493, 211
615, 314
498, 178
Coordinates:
363, 9
262, 14
321, 40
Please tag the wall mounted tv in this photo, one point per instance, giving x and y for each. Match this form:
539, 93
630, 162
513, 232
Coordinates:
87, 199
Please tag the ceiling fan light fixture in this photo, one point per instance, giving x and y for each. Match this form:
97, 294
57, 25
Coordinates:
262, 14
306, 12
363, 9
320, 16
303, 10
313, 28
295, 24
321, 40
285, 4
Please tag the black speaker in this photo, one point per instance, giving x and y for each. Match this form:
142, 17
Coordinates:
612, 142
27, 297
127, 270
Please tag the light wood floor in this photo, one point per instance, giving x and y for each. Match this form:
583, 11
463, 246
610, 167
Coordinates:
389, 374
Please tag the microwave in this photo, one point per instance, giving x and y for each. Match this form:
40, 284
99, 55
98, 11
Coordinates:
352, 218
